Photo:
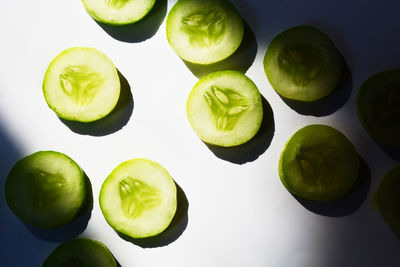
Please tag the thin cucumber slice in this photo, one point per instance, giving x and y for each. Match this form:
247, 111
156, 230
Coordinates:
378, 106
225, 109
387, 198
80, 252
302, 64
204, 31
46, 189
81, 84
319, 163
138, 198
118, 12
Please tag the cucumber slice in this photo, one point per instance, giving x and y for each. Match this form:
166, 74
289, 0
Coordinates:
378, 106
80, 252
118, 12
224, 108
204, 31
46, 189
387, 198
319, 163
138, 198
302, 64
81, 84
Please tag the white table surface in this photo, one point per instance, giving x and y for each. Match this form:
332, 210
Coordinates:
234, 211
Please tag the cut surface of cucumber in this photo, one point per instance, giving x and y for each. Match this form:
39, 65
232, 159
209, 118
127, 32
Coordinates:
225, 108
302, 64
80, 252
46, 189
204, 31
118, 12
138, 198
378, 106
387, 198
319, 163
81, 84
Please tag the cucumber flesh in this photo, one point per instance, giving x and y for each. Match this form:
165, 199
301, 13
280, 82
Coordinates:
46, 189
225, 109
81, 84
138, 198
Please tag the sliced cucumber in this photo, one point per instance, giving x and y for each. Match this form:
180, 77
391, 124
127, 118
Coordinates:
225, 109
387, 198
319, 163
46, 189
302, 64
118, 12
138, 198
81, 252
81, 84
204, 31
378, 106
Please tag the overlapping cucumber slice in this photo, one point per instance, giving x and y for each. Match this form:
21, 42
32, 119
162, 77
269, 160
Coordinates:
302, 64
118, 12
139, 198
81, 84
204, 31
319, 163
46, 189
378, 106
225, 108
80, 252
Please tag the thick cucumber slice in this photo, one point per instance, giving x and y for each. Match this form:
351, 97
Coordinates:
138, 198
387, 198
225, 109
81, 252
46, 189
302, 64
204, 31
81, 84
118, 12
319, 163
378, 106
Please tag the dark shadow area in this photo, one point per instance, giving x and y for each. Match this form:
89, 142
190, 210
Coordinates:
392, 152
173, 231
141, 30
348, 203
111, 123
72, 229
240, 60
255, 147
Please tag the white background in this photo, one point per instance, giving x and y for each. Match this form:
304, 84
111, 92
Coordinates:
239, 213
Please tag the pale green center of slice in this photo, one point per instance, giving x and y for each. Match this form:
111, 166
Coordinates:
117, 4
387, 108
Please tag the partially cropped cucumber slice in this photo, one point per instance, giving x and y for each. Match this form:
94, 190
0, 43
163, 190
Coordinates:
378, 106
81, 84
118, 12
81, 252
387, 198
302, 64
46, 189
319, 163
225, 108
138, 198
204, 31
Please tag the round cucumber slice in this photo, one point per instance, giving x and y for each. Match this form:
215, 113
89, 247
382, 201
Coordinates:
81, 84
80, 252
46, 189
138, 198
118, 12
319, 163
378, 106
225, 109
302, 64
387, 198
204, 31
